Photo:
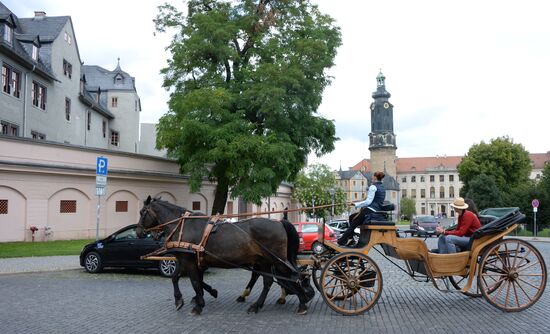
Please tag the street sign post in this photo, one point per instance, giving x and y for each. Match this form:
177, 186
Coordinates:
535, 203
101, 169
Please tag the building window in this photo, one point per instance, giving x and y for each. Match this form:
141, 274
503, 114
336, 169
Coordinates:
196, 206
404, 179
3, 206
38, 95
441, 178
355, 195
114, 138
413, 193
89, 121
404, 193
422, 193
432, 192
8, 34
9, 129
422, 179
354, 184
423, 211
11, 81
432, 178
34, 52
451, 178
441, 192
104, 128
121, 206
67, 206
114, 102
67, 38
452, 192
67, 109
38, 135
413, 178
67, 69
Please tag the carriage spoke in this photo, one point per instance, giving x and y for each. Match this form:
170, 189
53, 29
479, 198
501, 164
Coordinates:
515, 293
489, 288
529, 266
501, 260
524, 258
526, 294
516, 255
531, 285
507, 294
499, 289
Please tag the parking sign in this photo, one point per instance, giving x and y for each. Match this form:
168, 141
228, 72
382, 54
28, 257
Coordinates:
101, 166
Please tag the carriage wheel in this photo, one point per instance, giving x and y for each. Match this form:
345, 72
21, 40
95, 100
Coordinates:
513, 275
316, 272
351, 283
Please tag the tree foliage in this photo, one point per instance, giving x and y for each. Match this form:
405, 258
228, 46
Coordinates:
312, 189
508, 164
408, 207
484, 192
246, 79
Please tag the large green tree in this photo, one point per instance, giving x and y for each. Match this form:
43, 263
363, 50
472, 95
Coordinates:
408, 207
507, 163
312, 188
246, 79
483, 190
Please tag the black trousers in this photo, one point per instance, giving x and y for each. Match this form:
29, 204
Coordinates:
355, 220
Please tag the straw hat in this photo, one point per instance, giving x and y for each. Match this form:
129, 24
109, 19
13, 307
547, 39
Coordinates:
458, 203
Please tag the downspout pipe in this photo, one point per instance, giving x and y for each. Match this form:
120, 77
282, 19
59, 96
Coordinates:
25, 101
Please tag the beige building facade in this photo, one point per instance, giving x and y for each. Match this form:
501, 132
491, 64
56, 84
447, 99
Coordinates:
51, 186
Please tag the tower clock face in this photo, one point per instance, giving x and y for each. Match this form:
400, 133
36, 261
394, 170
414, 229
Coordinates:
386, 105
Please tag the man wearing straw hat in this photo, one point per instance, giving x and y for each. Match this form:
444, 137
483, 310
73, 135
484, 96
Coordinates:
467, 224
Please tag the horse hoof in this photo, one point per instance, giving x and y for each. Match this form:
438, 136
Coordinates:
281, 301
253, 309
302, 310
214, 293
240, 299
179, 304
196, 311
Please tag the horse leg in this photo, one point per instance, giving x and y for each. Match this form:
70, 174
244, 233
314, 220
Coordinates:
196, 282
206, 287
268, 281
249, 286
178, 298
282, 298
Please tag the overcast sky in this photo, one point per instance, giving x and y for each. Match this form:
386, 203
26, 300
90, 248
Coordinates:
459, 71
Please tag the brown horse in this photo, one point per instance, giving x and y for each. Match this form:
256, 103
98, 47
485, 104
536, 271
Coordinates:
268, 246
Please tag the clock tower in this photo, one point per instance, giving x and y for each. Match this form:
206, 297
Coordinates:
381, 138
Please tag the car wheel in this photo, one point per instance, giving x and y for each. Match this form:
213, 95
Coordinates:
317, 247
167, 267
93, 263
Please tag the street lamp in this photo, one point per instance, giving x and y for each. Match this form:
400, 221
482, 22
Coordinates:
332, 191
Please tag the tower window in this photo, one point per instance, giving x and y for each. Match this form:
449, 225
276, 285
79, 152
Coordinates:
8, 34
11, 81
114, 138
67, 109
114, 102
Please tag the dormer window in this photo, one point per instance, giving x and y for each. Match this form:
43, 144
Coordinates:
35, 52
119, 79
67, 38
8, 34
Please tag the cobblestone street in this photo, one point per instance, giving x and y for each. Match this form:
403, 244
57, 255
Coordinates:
73, 301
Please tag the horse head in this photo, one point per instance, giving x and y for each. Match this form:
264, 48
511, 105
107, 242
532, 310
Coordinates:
148, 218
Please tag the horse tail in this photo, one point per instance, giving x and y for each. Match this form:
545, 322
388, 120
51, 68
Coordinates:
293, 242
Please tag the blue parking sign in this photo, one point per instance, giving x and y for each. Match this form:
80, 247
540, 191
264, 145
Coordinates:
101, 166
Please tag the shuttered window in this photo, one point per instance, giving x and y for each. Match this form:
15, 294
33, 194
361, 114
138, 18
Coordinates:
196, 206
3, 206
121, 206
67, 206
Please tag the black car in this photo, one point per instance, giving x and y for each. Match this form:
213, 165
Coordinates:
123, 249
423, 226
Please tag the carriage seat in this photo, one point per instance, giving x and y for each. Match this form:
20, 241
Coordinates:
382, 215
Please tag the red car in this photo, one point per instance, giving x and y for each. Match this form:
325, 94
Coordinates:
309, 232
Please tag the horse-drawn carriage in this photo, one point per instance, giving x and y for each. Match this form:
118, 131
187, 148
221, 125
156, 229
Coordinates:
509, 273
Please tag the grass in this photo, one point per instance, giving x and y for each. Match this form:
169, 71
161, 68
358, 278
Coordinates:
48, 248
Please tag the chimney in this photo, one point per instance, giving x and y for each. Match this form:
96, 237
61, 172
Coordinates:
39, 14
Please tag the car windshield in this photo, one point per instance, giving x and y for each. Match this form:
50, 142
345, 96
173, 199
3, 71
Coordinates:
426, 219
309, 228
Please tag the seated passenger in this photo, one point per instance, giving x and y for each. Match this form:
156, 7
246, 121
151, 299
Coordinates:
467, 224
375, 197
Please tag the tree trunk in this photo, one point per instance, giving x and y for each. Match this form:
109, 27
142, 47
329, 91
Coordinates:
220, 198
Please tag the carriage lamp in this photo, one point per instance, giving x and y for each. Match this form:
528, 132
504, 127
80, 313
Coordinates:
33, 230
